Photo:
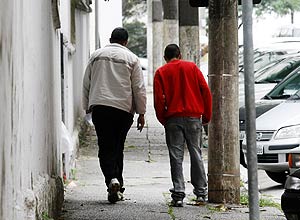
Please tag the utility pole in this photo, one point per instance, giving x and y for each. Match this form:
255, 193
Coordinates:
223, 150
97, 37
250, 111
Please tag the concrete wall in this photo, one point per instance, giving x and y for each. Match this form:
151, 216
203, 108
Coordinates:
31, 143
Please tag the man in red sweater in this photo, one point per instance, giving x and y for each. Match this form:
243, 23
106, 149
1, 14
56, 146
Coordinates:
183, 103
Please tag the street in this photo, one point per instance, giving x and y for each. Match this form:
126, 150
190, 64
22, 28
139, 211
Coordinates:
268, 187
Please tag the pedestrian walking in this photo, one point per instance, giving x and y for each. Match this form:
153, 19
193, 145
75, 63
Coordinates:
183, 103
113, 91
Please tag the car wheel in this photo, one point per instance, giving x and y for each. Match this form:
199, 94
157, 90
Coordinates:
242, 159
278, 177
292, 216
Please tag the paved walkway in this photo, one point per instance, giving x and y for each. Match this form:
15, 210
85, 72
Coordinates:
147, 180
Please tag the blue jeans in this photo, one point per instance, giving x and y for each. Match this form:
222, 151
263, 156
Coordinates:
181, 131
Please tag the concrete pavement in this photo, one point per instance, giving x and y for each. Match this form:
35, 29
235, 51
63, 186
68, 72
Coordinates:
147, 181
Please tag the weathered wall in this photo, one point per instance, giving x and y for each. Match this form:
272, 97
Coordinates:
29, 134
75, 55
10, 102
31, 110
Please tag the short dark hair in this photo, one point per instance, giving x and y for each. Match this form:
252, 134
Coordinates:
118, 35
172, 51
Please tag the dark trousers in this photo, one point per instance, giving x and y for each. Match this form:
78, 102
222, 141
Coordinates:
112, 126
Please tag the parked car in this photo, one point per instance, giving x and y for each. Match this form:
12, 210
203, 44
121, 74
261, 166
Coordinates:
270, 75
288, 31
144, 64
271, 99
266, 54
290, 198
277, 132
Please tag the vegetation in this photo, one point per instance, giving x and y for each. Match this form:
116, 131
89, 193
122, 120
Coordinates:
263, 202
45, 216
137, 37
280, 7
133, 8
134, 12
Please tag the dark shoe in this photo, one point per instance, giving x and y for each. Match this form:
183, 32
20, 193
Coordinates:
201, 199
177, 203
114, 193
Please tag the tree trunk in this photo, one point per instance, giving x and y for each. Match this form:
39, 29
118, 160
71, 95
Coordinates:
223, 150
171, 27
189, 32
154, 37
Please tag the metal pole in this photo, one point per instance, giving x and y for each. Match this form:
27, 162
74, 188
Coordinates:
97, 38
250, 111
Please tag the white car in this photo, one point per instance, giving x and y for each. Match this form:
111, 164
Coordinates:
144, 64
270, 75
277, 132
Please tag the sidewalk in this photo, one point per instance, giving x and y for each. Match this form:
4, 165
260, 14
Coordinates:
147, 181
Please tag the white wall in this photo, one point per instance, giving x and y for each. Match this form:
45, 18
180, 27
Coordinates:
30, 96
29, 116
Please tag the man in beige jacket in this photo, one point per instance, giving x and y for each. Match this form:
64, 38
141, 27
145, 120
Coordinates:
113, 90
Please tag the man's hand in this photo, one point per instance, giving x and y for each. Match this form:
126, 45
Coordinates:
140, 122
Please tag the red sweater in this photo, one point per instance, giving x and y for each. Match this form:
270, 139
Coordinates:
180, 90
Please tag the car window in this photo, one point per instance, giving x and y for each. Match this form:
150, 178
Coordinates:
262, 58
278, 72
286, 89
265, 68
296, 96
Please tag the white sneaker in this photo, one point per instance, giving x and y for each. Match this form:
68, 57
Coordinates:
114, 194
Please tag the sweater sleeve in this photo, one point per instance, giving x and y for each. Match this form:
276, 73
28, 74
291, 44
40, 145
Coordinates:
86, 87
207, 98
138, 89
159, 98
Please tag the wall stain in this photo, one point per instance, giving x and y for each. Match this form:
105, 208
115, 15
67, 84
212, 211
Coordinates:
2, 184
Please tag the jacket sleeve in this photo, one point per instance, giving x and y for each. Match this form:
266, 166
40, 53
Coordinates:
206, 97
138, 89
86, 87
159, 98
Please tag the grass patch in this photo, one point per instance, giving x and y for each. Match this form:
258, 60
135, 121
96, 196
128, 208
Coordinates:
263, 202
242, 184
73, 174
218, 208
45, 216
170, 208
171, 213
131, 147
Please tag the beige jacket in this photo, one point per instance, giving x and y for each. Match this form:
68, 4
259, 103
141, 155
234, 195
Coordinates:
114, 77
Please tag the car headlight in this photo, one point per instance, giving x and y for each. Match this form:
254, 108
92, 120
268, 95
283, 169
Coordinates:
288, 132
294, 160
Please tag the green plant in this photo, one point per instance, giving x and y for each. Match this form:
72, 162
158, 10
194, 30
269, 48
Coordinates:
244, 199
45, 216
170, 208
73, 173
263, 202
171, 213
131, 147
